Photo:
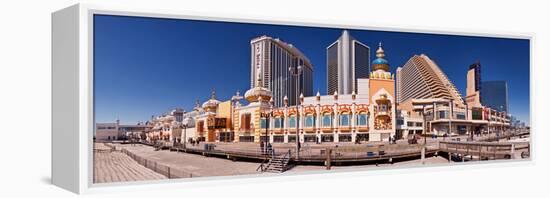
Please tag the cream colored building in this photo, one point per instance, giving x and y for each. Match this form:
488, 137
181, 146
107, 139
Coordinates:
169, 127
368, 115
116, 131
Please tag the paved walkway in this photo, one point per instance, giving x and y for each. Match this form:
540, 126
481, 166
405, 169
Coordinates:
118, 167
198, 165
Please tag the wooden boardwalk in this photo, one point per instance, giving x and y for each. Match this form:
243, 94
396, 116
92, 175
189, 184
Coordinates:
115, 166
342, 154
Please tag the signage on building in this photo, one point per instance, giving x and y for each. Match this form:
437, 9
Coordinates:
217, 123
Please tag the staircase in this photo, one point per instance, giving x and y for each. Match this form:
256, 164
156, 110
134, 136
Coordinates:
277, 164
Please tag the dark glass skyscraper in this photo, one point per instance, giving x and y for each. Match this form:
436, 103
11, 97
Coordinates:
494, 94
274, 57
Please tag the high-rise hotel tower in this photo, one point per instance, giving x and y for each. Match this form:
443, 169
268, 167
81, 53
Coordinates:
347, 60
273, 57
421, 78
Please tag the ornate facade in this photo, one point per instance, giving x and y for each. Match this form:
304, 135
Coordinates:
368, 115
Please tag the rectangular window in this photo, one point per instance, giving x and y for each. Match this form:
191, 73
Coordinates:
310, 138
419, 124
442, 114
362, 137
344, 120
477, 113
460, 116
278, 138
245, 121
291, 138
410, 124
200, 126
400, 122
327, 138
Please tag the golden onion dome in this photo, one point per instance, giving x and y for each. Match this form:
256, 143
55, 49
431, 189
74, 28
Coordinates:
258, 93
380, 63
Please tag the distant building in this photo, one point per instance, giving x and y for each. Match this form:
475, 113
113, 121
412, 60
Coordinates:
107, 131
116, 131
495, 95
514, 122
473, 86
274, 57
170, 126
347, 60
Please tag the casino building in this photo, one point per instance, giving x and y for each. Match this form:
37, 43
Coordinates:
274, 57
425, 93
365, 115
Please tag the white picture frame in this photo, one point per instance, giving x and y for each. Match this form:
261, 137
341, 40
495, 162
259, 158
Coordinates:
72, 99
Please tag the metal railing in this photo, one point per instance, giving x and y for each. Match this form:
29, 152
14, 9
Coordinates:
483, 150
313, 152
162, 169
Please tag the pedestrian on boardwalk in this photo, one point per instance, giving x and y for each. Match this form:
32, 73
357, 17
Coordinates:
269, 148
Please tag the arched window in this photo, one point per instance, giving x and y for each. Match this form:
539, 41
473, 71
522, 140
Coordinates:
383, 108
327, 120
263, 123
278, 122
362, 119
344, 119
310, 121
292, 121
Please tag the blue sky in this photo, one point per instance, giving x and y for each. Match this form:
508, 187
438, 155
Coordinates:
147, 66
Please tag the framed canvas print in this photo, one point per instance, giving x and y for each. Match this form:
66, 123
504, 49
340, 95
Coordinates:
147, 97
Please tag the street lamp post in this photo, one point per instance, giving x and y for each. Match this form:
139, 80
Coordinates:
296, 72
268, 116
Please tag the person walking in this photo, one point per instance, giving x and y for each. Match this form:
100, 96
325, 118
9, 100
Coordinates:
269, 148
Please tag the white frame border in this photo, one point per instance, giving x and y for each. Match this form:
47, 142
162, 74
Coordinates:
86, 186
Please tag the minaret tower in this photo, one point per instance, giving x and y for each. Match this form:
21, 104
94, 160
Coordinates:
382, 98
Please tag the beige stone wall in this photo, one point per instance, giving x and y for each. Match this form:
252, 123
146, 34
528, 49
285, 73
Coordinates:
224, 111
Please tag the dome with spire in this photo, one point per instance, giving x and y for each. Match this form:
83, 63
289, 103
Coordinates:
212, 103
380, 63
258, 93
